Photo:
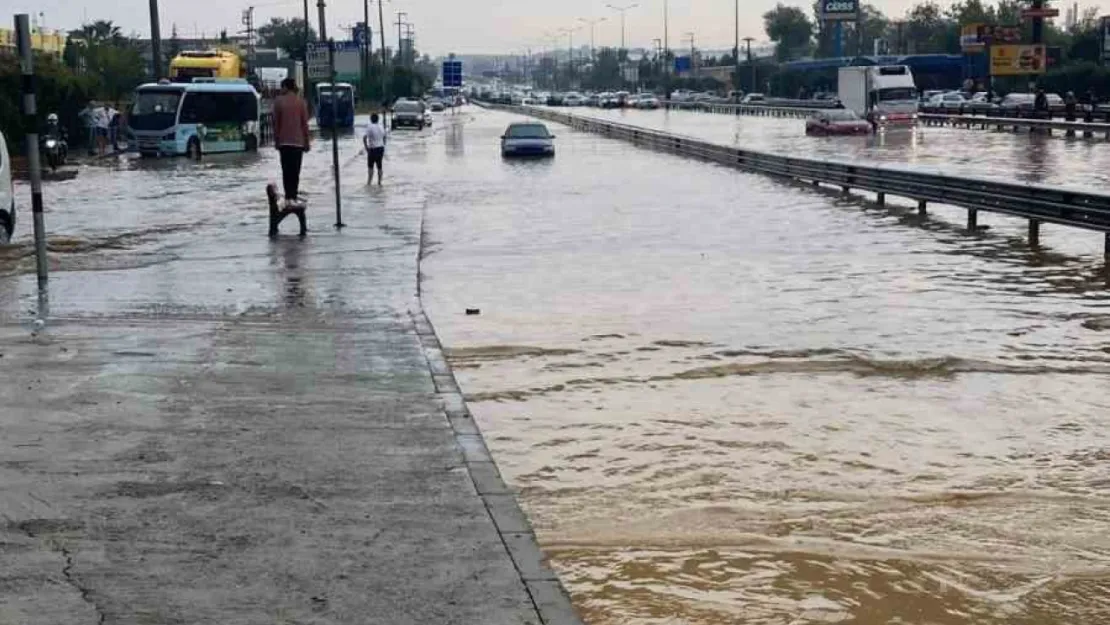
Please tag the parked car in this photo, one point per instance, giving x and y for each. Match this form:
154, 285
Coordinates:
555, 99
592, 99
929, 94
527, 139
573, 99
646, 101
980, 104
409, 114
7, 196
837, 122
945, 101
754, 98
1015, 103
608, 100
436, 105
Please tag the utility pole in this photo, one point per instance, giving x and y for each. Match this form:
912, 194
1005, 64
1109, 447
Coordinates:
381, 34
592, 23
323, 25
408, 52
622, 11
366, 45
31, 122
304, 57
155, 41
1038, 21
400, 23
248, 22
749, 41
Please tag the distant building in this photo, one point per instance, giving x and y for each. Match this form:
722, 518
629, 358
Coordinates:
52, 42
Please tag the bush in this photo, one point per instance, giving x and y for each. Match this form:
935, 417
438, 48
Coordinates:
57, 90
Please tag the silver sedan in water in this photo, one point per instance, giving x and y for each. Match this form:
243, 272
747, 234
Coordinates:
527, 139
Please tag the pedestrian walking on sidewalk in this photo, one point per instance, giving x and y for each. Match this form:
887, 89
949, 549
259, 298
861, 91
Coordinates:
374, 142
291, 139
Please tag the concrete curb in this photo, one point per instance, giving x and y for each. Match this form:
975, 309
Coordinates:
548, 595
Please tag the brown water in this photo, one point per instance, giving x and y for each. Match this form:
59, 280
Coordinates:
723, 399
730, 400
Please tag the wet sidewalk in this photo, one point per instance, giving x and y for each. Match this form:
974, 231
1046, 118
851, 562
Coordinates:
237, 430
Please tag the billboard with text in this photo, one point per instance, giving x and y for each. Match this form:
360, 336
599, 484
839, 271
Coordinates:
1020, 60
837, 10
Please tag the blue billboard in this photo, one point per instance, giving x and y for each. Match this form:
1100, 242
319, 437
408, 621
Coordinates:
682, 65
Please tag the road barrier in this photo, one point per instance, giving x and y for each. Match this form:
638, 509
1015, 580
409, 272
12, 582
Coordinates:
761, 110
1014, 124
1038, 204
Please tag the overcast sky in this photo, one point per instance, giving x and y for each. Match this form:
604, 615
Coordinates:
470, 26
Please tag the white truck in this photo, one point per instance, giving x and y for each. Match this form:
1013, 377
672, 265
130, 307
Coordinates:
884, 95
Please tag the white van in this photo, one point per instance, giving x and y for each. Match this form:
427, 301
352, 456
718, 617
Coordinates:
7, 196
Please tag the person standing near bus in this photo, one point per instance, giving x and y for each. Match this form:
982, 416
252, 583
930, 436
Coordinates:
374, 142
291, 139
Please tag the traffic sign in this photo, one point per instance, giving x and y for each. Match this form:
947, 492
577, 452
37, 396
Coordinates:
452, 74
347, 60
362, 34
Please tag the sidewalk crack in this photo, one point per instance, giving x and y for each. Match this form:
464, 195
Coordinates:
86, 593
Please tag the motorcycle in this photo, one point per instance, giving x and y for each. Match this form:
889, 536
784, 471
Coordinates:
56, 151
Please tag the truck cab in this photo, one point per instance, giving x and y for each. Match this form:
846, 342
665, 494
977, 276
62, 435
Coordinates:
884, 95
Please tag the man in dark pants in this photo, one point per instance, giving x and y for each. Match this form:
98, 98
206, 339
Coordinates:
291, 139
374, 142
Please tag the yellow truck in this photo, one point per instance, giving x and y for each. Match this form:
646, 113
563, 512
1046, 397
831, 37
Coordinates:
206, 64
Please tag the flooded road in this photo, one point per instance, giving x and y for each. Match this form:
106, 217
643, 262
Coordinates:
721, 398
725, 399
1035, 158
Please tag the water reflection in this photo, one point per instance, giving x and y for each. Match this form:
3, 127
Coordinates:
287, 257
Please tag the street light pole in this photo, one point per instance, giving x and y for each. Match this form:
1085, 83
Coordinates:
736, 49
592, 23
749, 41
622, 11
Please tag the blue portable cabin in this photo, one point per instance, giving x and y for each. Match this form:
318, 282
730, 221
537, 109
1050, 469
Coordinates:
343, 115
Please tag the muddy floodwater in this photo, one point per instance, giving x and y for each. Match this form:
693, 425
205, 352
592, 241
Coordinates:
725, 399
721, 398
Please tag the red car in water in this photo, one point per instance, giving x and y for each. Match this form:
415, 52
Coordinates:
837, 122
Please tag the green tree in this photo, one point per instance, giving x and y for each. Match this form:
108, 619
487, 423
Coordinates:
927, 28
790, 29
285, 34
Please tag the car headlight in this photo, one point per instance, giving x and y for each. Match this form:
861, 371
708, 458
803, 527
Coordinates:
882, 118
50, 143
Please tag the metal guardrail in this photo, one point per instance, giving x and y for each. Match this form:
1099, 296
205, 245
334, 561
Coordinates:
1038, 204
761, 110
1070, 128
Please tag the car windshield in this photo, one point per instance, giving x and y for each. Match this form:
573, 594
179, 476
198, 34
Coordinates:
154, 109
528, 131
406, 107
897, 93
842, 116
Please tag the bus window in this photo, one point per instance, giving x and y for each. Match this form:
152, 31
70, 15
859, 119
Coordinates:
154, 109
210, 108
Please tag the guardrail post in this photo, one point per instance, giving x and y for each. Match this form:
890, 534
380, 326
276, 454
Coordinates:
1035, 232
922, 208
1106, 247
880, 198
972, 219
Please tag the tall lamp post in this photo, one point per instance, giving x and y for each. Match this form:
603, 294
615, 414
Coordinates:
736, 51
749, 40
622, 11
569, 32
592, 23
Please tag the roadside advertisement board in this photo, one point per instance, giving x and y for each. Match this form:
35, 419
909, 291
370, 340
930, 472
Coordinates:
1019, 60
839, 10
348, 61
975, 37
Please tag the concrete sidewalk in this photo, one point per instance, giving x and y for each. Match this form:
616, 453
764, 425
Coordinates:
253, 432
